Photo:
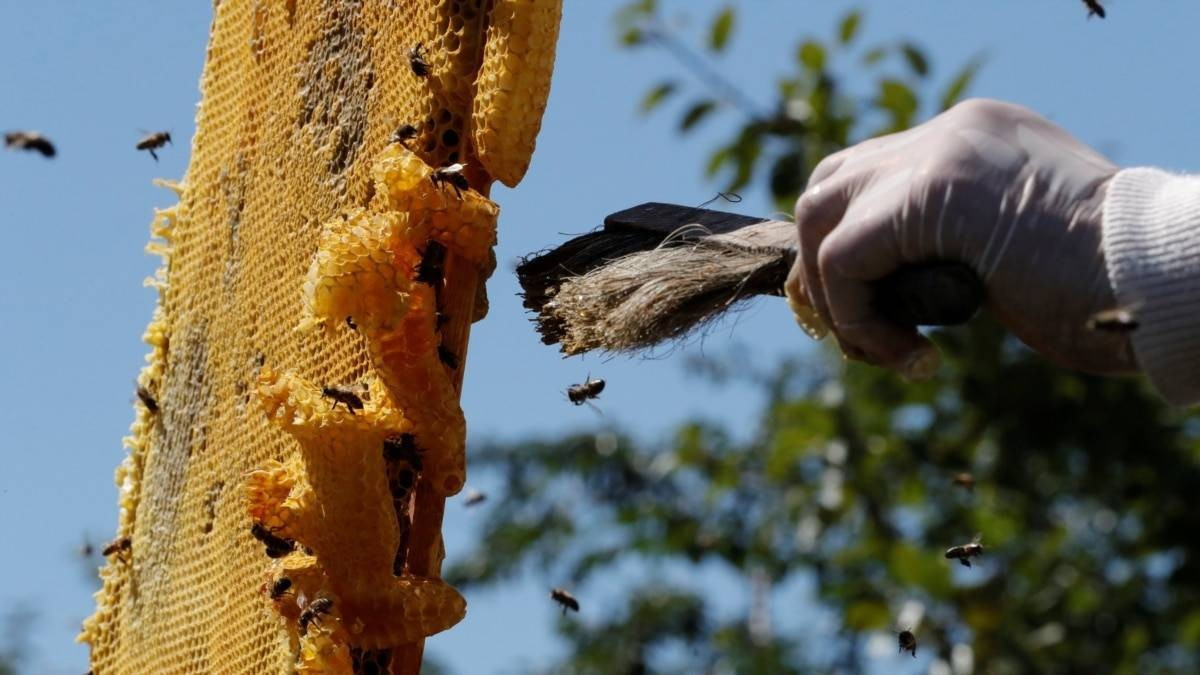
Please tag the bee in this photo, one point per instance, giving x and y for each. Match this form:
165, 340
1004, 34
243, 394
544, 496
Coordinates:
1094, 8
565, 599
580, 393
433, 261
417, 62
474, 497
86, 549
120, 546
965, 552
314, 610
908, 642
277, 546
1119, 320
964, 480
402, 447
347, 396
453, 175
29, 140
448, 357
404, 134
151, 142
282, 585
147, 399
350, 323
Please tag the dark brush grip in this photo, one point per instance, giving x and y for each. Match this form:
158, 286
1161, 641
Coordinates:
929, 294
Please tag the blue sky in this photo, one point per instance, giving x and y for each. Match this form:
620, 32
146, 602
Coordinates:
91, 77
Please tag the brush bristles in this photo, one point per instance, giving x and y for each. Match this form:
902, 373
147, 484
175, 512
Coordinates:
643, 299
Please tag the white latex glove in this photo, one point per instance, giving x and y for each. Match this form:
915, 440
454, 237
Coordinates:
986, 183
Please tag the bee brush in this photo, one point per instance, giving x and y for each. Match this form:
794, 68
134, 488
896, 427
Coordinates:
656, 271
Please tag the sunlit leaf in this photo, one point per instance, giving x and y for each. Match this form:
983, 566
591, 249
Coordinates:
812, 55
657, 96
874, 56
866, 615
898, 99
918, 568
632, 36
848, 28
696, 114
915, 58
718, 159
722, 28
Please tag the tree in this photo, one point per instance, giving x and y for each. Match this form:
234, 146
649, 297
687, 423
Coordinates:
1081, 485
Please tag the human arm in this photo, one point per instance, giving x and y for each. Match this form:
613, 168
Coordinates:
1026, 206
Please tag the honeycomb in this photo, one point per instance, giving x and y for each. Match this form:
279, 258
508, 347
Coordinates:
320, 275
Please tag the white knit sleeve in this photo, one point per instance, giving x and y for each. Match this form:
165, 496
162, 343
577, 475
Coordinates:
1152, 249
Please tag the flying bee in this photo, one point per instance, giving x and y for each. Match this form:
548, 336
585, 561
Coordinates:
453, 175
965, 552
1119, 320
349, 396
908, 642
147, 399
314, 610
120, 545
580, 393
282, 585
29, 140
474, 497
964, 480
565, 599
1094, 8
417, 62
404, 134
154, 141
277, 546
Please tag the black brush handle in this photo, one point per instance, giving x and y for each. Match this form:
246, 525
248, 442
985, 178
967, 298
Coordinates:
929, 294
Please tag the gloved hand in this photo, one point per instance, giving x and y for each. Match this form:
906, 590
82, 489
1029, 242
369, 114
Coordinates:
987, 183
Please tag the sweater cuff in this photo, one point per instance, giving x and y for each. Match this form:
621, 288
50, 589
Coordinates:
1151, 239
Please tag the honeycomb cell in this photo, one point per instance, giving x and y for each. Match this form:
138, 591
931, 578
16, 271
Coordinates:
300, 100
514, 85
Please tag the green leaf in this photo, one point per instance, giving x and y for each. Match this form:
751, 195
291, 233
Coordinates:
960, 82
866, 615
812, 55
631, 20
874, 56
915, 58
696, 113
657, 95
788, 175
717, 160
632, 36
722, 27
746, 151
848, 28
899, 100
917, 568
